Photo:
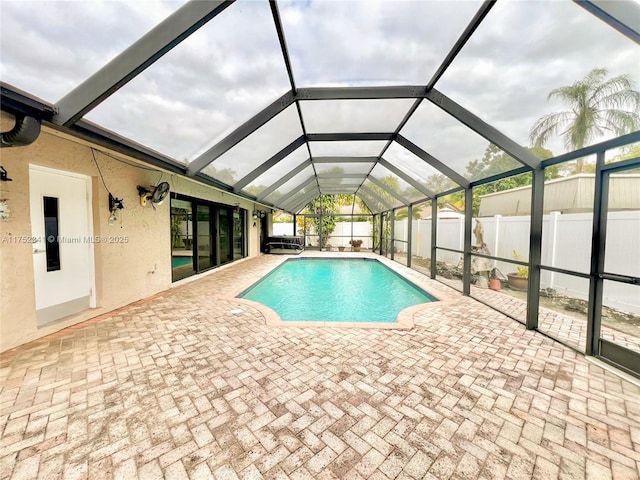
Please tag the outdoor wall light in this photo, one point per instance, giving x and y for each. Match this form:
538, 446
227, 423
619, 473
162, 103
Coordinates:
4, 176
115, 204
259, 214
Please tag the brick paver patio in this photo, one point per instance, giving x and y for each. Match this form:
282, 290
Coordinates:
192, 384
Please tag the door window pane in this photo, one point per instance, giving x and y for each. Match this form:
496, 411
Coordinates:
181, 239
205, 243
225, 235
238, 234
51, 218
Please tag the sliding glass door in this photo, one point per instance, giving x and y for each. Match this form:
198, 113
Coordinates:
204, 235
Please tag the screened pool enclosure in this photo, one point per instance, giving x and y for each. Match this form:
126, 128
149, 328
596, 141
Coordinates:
407, 109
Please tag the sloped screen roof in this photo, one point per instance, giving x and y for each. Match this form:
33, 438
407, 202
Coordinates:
282, 101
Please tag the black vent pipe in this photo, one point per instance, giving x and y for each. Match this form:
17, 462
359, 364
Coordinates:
24, 132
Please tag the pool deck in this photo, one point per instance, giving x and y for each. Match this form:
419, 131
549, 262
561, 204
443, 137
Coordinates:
192, 383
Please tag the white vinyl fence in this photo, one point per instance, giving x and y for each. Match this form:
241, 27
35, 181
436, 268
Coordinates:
566, 243
340, 236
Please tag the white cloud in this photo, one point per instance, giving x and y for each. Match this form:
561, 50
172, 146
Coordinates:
522, 51
49, 47
216, 79
371, 42
232, 68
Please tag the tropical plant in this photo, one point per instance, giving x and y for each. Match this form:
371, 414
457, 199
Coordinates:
224, 175
325, 206
404, 213
391, 184
439, 183
628, 152
496, 161
523, 271
596, 105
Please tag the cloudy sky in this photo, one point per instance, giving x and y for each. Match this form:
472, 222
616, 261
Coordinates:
231, 68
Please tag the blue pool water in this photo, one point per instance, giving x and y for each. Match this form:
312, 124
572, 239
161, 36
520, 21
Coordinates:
179, 261
336, 290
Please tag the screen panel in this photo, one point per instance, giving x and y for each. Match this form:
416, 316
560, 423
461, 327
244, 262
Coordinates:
343, 167
332, 116
44, 56
359, 148
418, 169
383, 193
506, 71
286, 189
396, 184
257, 148
276, 172
373, 204
371, 42
456, 145
337, 182
204, 88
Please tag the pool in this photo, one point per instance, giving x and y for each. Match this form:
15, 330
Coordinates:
180, 261
336, 290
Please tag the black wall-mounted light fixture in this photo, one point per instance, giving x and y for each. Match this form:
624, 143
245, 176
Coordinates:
4, 175
115, 204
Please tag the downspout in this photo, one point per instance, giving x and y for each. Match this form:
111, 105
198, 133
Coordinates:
24, 132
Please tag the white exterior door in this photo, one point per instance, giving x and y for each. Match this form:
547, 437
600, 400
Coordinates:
63, 248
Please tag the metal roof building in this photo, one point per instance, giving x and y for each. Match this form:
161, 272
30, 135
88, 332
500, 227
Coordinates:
572, 194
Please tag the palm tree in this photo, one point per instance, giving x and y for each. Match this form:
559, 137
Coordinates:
404, 213
595, 105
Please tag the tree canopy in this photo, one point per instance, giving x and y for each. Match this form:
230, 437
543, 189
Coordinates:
595, 105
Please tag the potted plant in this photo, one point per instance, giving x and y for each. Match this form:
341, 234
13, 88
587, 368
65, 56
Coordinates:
518, 280
356, 244
494, 281
341, 248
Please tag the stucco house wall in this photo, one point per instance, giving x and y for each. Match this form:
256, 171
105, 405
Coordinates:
124, 272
